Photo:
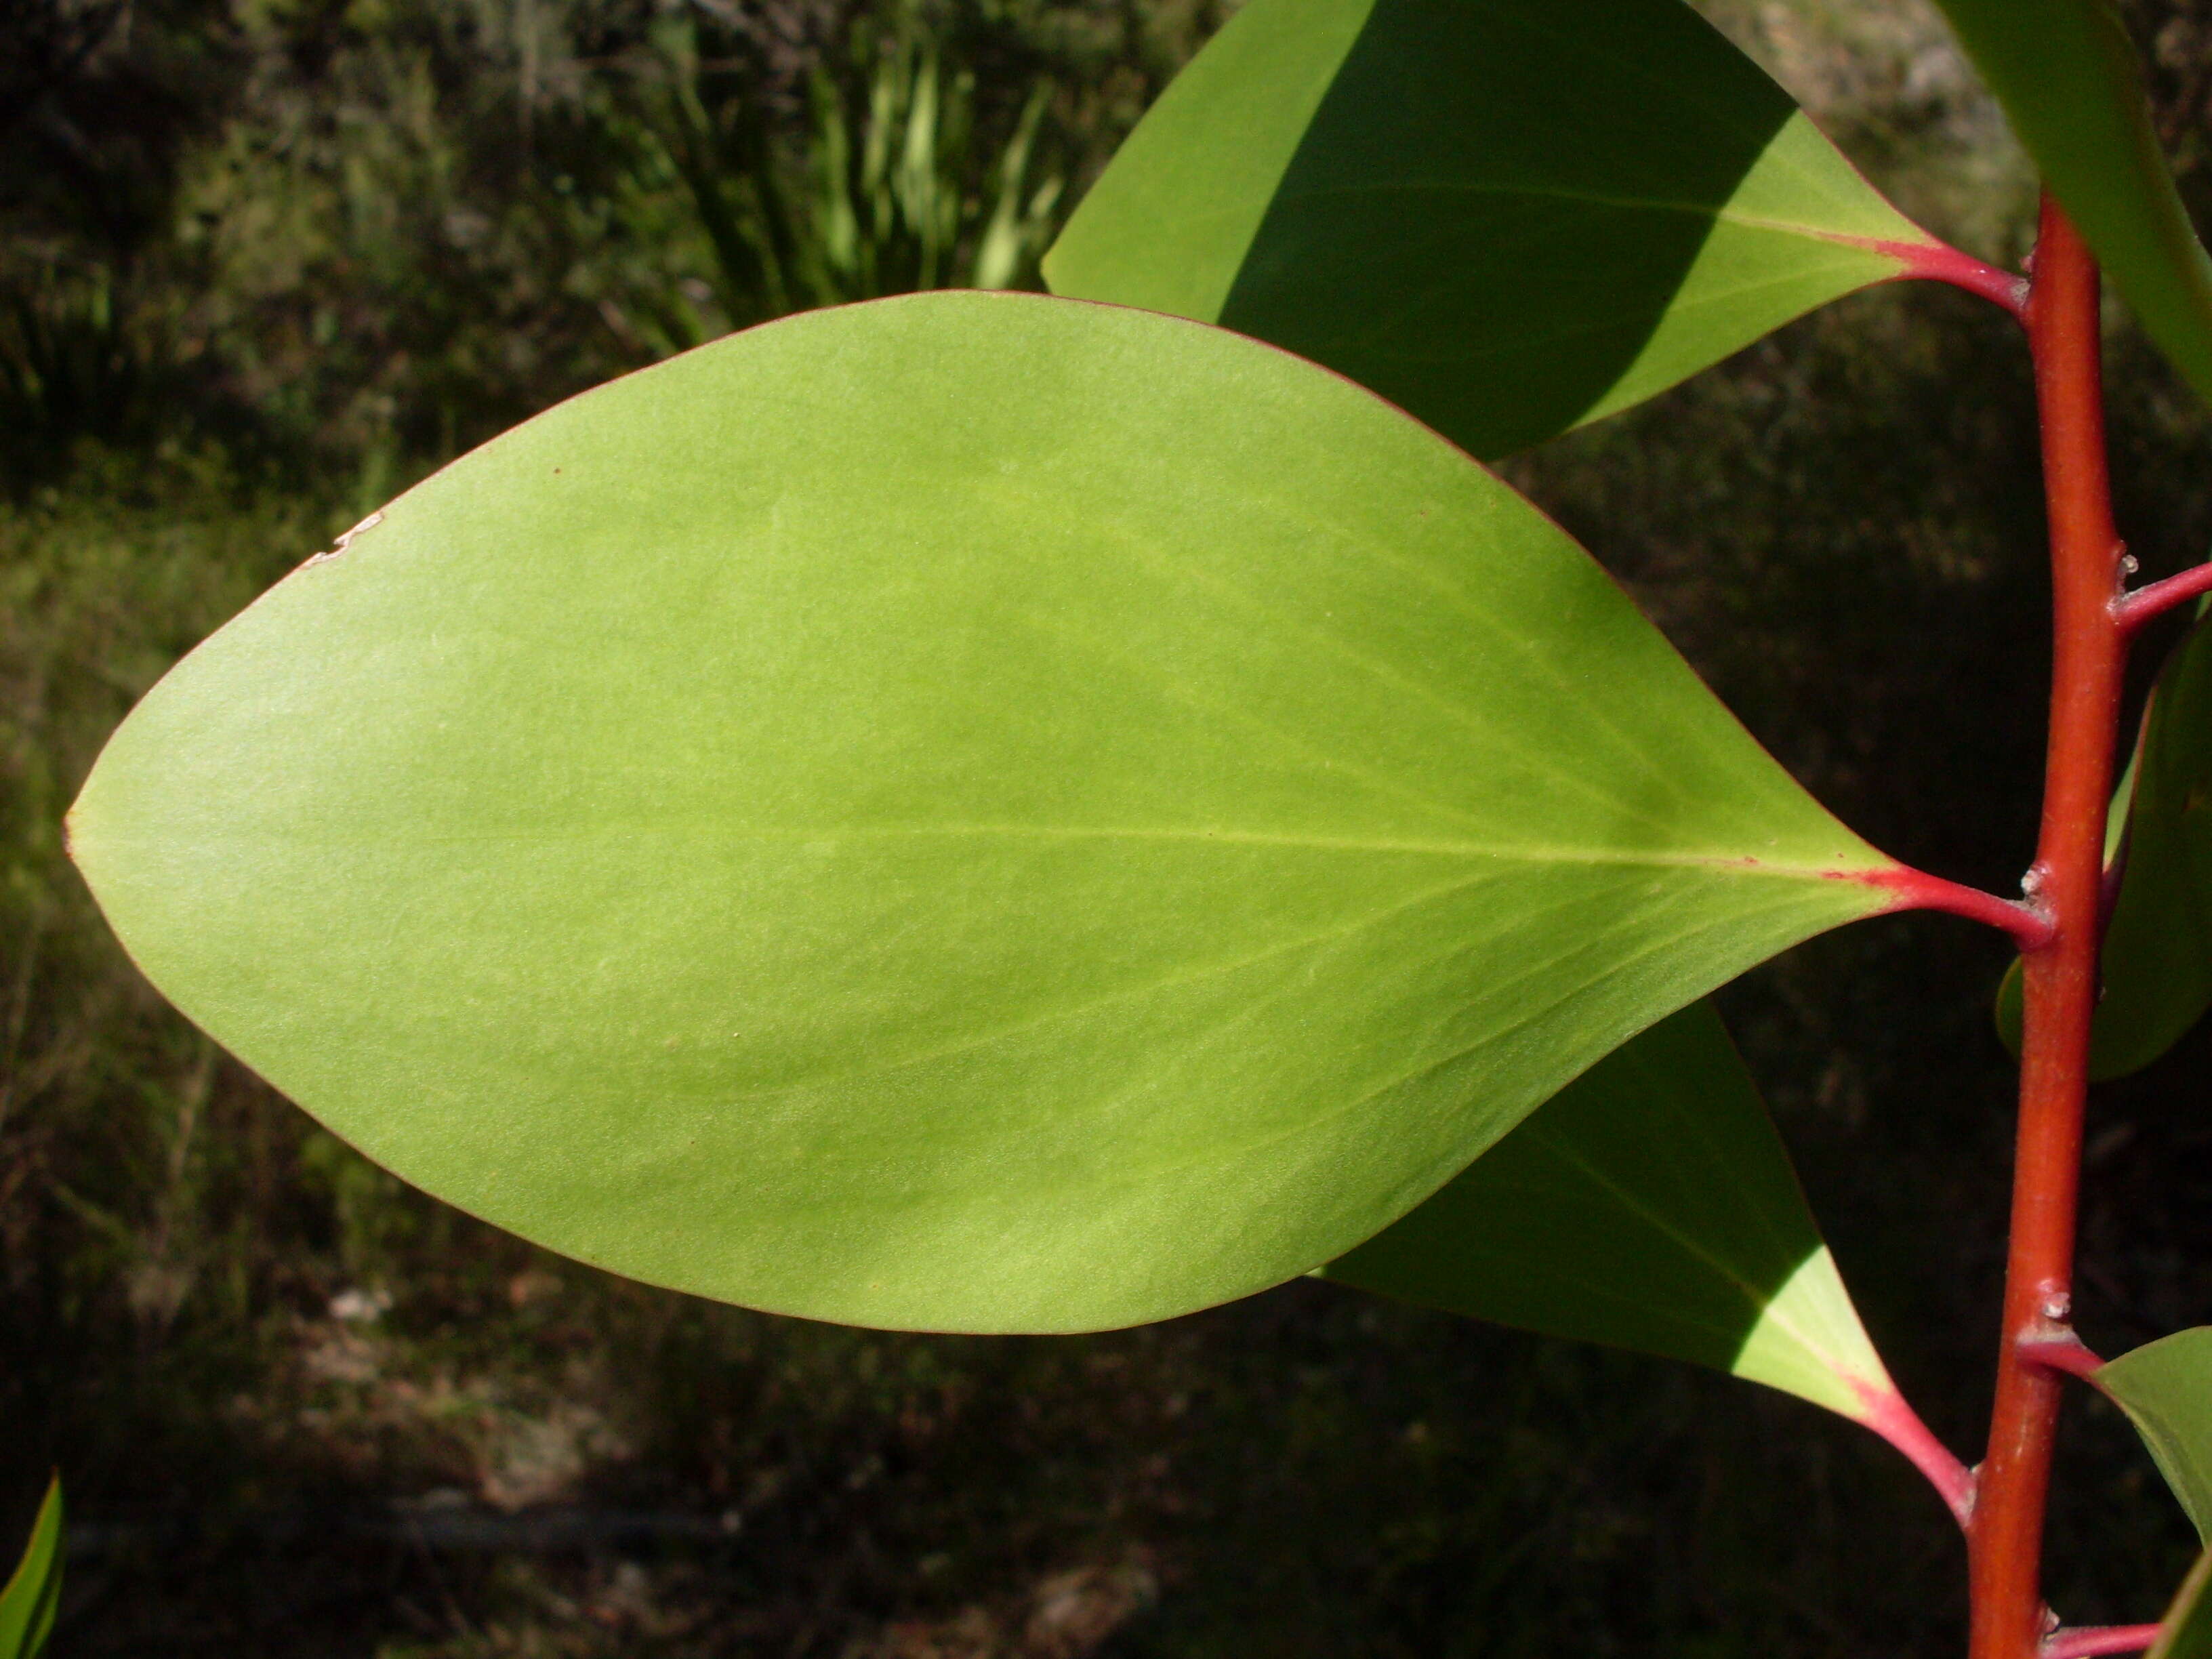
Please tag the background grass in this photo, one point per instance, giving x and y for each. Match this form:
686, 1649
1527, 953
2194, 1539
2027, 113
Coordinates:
265, 261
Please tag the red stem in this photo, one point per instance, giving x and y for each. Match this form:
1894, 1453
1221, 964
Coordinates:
2088, 647
2091, 1639
2156, 598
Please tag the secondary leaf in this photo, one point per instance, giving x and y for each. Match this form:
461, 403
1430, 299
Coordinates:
2185, 1633
1510, 218
2165, 1389
2069, 78
975, 811
1649, 1206
2157, 959
33, 1593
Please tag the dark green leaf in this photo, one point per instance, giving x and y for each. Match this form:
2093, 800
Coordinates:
2165, 1389
1510, 218
2185, 1633
2067, 76
2158, 949
975, 811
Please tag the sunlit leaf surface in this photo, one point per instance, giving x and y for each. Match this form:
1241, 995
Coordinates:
975, 810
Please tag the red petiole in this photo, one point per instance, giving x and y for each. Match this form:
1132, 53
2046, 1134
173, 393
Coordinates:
2132, 610
2092, 1640
1939, 263
2062, 1354
2027, 922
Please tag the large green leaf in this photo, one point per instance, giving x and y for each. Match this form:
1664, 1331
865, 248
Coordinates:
33, 1591
2165, 1389
1649, 1205
973, 810
2068, 76
1509, 217
2185, 1633
2157, 959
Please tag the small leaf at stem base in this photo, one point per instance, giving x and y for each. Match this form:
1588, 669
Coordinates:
32, 1594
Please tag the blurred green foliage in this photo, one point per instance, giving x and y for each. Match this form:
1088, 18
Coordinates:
264, 261
375, 232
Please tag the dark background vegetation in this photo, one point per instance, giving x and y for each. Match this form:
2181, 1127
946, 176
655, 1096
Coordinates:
264, 262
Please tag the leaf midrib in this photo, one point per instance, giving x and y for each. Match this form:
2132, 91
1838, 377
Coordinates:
1523, 853
969, 1042
1589, 198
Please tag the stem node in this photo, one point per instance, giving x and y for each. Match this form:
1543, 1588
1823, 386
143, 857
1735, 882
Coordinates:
2131, 611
